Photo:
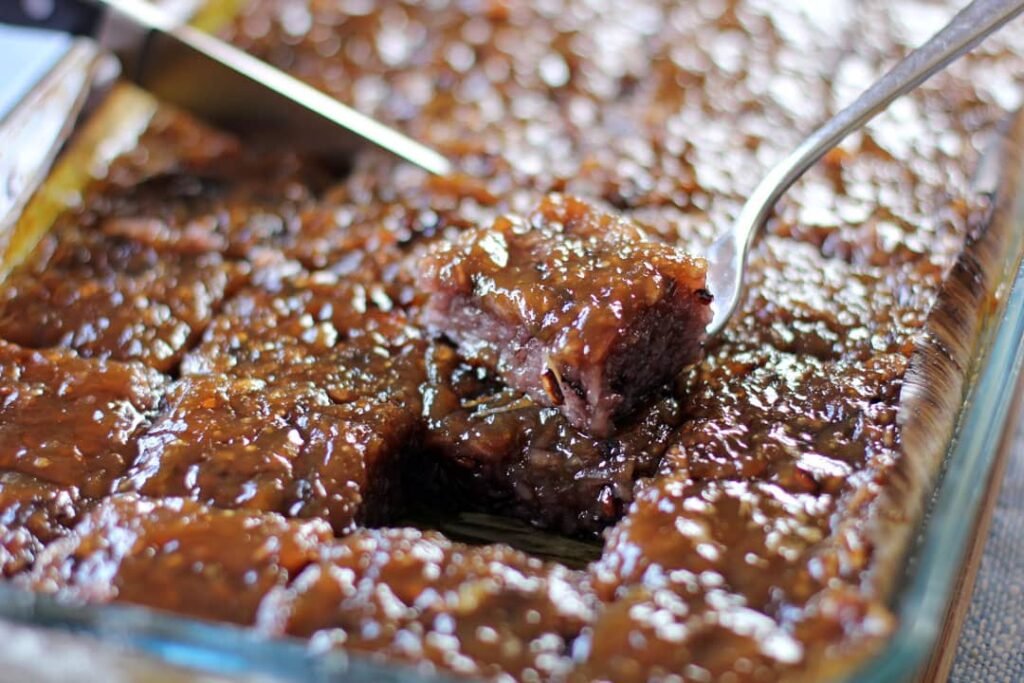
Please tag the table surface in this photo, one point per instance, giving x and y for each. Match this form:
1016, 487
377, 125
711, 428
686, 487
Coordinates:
990, 646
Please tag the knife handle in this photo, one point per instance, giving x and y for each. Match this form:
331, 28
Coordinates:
78, 17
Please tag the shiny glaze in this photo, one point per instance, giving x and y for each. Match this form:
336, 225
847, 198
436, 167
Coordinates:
746, 554
299, 400
402, 593
72, 421
111, 298
177, 555
247, 443
294, 326
33, 512
575, 307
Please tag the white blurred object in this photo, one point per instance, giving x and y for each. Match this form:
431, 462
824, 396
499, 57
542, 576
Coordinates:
25, 56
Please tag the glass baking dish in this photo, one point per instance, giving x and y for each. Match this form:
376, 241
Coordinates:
984, 432
920, 599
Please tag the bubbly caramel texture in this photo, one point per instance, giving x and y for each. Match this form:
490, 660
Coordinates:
178, 555
225, 389
576, 308
489, 611
72, 421
34, 512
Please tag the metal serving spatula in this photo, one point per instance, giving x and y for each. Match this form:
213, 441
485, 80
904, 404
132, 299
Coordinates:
728, 255
219, 82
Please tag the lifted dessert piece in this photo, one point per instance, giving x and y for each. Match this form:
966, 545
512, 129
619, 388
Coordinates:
575, 307
177, 555
72, 421
489, 612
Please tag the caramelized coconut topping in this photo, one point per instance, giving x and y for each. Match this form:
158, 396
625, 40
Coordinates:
261, 360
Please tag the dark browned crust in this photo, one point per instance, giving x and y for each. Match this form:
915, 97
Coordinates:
944, 362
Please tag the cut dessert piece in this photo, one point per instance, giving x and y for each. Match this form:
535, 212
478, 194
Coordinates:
32, 514
311, 327
575, 307
808, 425
217, 211
799, 302
72, 421
500, 451
755, 538
287, 448
694, 630
485, 611
679, 633
731, 577
112, 298
178, 555
301, 399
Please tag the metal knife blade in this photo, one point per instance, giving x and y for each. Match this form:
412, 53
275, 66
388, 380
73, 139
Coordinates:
228, 87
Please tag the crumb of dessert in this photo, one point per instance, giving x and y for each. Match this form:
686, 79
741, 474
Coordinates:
72, 421
401, 593
574, 307
178, 555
